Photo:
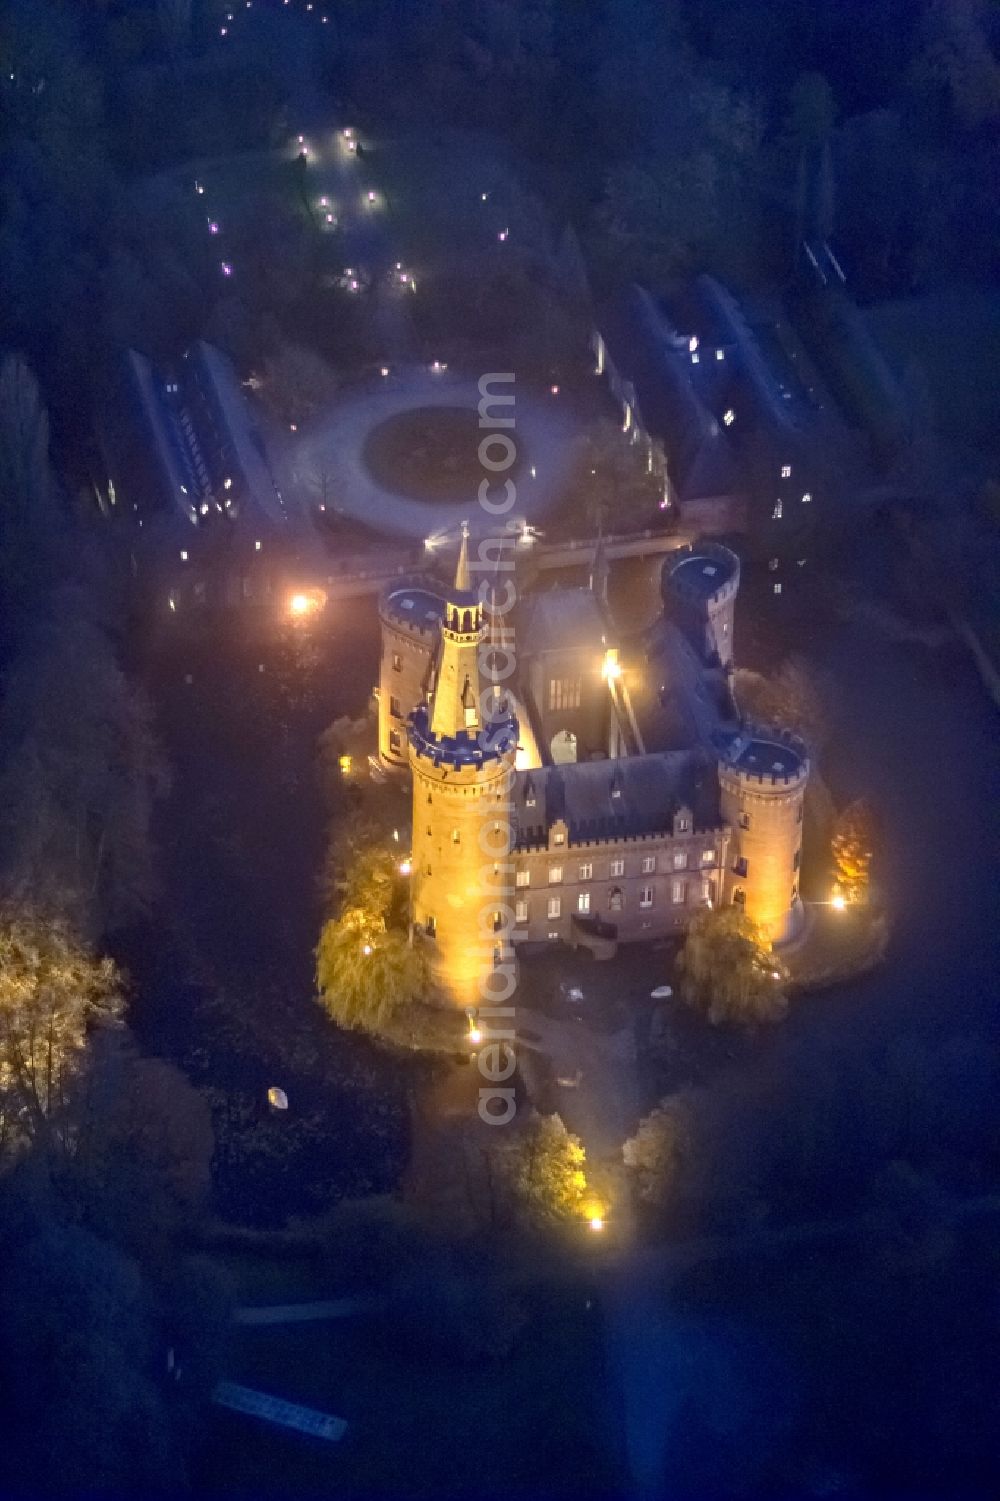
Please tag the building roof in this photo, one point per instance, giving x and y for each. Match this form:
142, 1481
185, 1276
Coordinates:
621, 799
648, 351
560, 620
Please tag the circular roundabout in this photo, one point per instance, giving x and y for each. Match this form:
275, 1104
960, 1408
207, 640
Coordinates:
408, 458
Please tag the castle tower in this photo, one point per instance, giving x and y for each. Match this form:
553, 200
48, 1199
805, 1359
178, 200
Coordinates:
699, 585
410, 615
762, 779
462, 745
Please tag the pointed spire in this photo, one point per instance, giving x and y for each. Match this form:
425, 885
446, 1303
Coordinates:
463, 578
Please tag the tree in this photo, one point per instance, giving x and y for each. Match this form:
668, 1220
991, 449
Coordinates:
366, 969
797, 698
296, 384
653, 1155
543, 1169
729, 973
852, 848
52, 992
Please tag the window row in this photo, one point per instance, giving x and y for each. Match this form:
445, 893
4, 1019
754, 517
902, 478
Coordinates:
648, 866
617, 900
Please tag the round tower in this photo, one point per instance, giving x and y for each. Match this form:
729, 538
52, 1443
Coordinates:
461, 753
410, 614
699, 584
762, 779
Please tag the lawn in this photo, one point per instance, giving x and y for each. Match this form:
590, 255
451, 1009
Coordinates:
532, 1426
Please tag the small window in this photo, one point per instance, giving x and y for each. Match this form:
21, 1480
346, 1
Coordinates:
555, 874
583, 901
797, 861
707, 892
397, 662
786, 471
744, 820
798, 816
708, 857
646, 896
586, 871
680, 860
682, 826
430, 927
529, 801
554, 908
778, 511
739, 897
559, 839
616, 901
773, 564
677, 892
741, 866
395, 742
777, 588
648, 864
456, 836
394, 708
617, 868
729, 416
807, 497
521, 910
523, 878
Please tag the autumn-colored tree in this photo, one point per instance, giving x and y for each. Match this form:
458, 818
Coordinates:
366, 969
728, 972
852, 848
52, 991
543, 1168
653, 1155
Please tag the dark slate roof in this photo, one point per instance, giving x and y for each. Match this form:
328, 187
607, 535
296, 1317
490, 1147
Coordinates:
649, 352
614, 799
560, 620
728, 325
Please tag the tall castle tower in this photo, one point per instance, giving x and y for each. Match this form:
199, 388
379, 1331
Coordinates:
462, 745
699, 585
762, 781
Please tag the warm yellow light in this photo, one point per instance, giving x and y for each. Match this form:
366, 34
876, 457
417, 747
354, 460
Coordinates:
404, 867
475, 1036
345, 763
611, 668
299, 604
305, 602
367, 949
838, 901
596, 1222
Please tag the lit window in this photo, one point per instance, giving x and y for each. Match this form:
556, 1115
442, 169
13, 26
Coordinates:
257, 546
559, 838
554, 908
677, 892
430, 927
646, 896
583, 902
648, 864
807, 497
565, 693
184, 557
706, 892
555, 875
523, 878
729, 416
617, 868
773, 565
693, 343
696, 358
777, 512
521, 911
456, 836
680, 860
777, 588
586, 871
397, 662
786, 471
708, 857
720, 354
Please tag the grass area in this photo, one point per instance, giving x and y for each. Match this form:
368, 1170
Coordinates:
533, 1425
430, 453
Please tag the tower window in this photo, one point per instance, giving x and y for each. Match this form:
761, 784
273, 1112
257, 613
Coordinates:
394, 708
456, 836
797, 861
395, 742
741, 866
397, 662
739, 897
744, 820
430, 927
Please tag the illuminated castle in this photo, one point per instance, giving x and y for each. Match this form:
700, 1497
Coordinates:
634, 794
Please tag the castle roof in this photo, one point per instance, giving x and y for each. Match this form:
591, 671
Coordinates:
560, 620
619, 799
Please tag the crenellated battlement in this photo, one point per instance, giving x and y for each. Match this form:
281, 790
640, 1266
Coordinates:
703, 574
765, 756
